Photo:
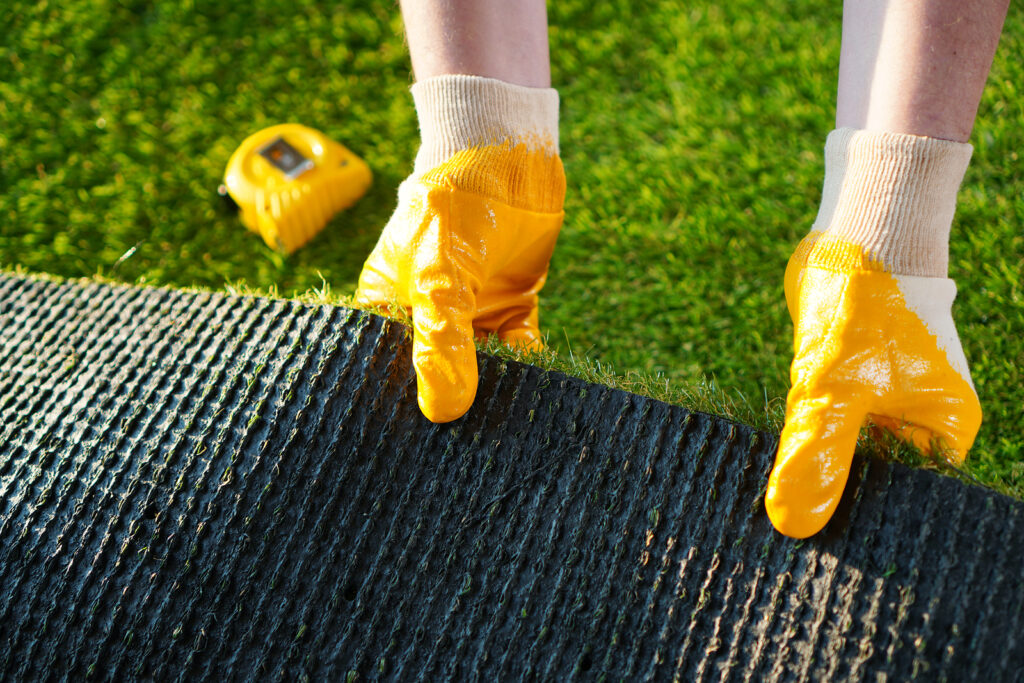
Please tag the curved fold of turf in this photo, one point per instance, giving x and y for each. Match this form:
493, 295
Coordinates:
197, 485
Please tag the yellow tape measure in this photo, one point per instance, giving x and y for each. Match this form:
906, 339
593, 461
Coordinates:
289, 180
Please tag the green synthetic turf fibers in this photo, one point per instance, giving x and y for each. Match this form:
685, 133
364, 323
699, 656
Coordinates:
691, 136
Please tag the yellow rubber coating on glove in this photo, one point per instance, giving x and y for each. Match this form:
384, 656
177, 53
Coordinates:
859, 354
467, 252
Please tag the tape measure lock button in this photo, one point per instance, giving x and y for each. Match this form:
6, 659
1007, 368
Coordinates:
285, 158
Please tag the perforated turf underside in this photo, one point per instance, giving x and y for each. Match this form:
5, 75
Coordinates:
197, 485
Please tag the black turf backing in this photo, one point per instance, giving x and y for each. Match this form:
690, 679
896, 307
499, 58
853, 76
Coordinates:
196, 486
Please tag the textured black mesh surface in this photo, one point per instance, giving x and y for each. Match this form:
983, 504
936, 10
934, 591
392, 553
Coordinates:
200, 486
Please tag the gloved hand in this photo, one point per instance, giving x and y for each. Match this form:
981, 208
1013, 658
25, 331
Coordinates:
466, 252
869, 345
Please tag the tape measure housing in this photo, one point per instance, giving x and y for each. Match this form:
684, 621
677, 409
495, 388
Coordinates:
289, 180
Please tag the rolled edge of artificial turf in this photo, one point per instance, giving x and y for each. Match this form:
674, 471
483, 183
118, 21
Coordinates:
198, 485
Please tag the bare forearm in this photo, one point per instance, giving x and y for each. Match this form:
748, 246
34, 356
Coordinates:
916, 66
502, 39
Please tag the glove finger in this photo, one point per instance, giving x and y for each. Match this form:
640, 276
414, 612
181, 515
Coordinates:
920, 437
382, 271
522, 338
939, 423
373, 290
381, 297
376, 285
444, 354
813, 462
522, 331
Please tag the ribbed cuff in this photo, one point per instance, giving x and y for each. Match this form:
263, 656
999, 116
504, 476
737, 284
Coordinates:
894, 195
459, 112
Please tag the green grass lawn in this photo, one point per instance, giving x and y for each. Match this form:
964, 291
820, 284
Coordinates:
692, 137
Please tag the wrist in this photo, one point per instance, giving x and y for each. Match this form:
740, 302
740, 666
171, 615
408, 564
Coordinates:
893, 196
458, 112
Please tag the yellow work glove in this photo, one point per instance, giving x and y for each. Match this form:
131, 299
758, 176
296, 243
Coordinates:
466, 253
869, 346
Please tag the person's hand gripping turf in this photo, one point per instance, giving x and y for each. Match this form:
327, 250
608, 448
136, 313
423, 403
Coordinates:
467, 249
872, 344
869, 346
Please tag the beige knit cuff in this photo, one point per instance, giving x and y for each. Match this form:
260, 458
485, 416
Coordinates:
894, 195
458, 112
